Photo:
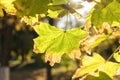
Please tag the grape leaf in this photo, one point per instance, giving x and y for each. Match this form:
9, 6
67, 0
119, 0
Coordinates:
117, 56
107, 11
31, 8
55, 41
89, 64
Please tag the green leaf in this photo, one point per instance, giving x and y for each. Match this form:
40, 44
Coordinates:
96, 18
106, 11
63, 9
111, 12
57, 13
117, 56
54, 14
102, 76
55, 41
59, 2
90, 64
31, 8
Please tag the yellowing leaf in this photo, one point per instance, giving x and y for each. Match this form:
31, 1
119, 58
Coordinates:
92, 65
53, 58
1, 12
75, 54
30, 20
99, 40
117, 56
89, 64
55, 41
92, 42
105, 28
110, 68
8, 6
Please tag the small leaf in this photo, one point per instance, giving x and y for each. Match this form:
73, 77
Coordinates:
117, 56
56, 11
54, 14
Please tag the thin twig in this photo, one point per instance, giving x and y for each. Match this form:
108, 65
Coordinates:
113, 53
71, 10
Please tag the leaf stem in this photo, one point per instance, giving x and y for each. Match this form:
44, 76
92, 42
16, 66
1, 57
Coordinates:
66, 26
113, 53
